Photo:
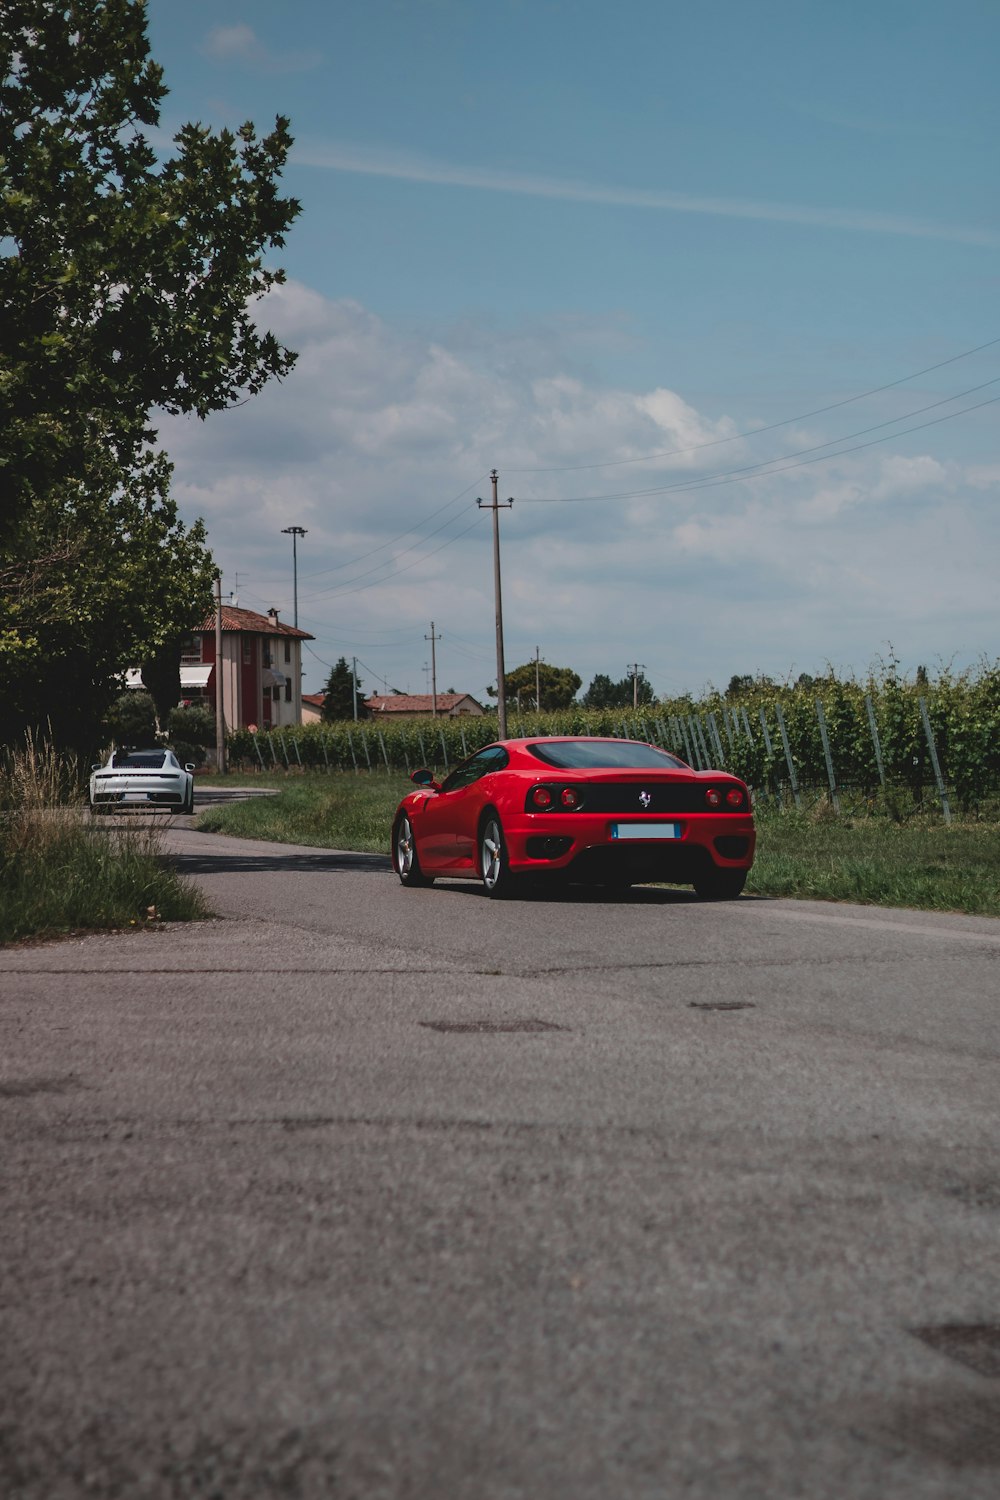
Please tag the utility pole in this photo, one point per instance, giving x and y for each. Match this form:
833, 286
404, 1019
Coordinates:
434, 673
496, 508
354, 685
294, 532
538, 691
634, 668
220, 714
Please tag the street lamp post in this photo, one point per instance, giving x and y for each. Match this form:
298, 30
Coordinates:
294, 532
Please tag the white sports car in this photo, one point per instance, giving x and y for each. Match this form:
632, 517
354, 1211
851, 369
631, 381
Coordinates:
154, 779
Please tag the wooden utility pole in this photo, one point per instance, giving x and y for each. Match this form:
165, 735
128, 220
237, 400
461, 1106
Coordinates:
220, 713
634, 668
496, 508
434, 674
538, 690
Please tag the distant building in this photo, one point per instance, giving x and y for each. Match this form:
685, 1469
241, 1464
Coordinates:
312, 707
261, 669
415, 705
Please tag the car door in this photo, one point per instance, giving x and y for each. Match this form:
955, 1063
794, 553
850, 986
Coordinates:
469, 805
448, 821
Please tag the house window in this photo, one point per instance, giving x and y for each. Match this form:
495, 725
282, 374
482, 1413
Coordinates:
288, 650
288, 690
247, 650
276, 693
191, 648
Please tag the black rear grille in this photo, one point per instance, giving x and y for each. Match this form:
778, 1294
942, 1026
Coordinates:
641, 797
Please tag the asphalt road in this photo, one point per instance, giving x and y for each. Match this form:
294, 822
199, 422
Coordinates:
365, 1192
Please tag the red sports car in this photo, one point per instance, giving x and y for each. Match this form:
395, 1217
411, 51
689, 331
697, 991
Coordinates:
612, 812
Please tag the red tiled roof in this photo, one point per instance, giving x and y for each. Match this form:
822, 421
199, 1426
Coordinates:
416, 703
254, 624
316, 699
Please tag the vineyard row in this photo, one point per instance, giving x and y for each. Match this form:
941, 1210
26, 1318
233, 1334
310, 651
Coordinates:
942, 738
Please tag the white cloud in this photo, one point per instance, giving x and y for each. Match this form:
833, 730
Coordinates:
381, 440
241, 44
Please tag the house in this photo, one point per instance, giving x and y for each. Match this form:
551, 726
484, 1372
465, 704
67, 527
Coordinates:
261, 668
312, 707
417, 705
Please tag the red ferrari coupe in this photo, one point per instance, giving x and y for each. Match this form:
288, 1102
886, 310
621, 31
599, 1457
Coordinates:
612, 812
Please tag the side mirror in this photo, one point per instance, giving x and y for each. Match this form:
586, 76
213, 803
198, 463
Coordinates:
424, 777
189, 766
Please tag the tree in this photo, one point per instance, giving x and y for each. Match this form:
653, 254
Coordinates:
556, 686
338, 699
604, 693
131, 720
126, 286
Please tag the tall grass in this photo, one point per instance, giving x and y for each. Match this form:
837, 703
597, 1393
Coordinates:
59, 872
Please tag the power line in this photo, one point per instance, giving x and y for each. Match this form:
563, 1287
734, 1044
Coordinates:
768, 466
344, 592
612, 463
339, 588
321, 572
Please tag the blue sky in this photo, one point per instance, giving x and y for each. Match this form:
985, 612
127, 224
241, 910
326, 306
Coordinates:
557, 238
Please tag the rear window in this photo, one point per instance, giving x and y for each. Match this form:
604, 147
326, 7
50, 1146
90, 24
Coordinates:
137, 761
604, 755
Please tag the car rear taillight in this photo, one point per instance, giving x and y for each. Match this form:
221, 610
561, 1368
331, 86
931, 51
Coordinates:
712, 797
734, 797
568, 797
540, 796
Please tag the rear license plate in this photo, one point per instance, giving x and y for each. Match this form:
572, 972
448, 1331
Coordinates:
645, 830
135, 797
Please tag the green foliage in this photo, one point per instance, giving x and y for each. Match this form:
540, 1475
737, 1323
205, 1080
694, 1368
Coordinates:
190, 731
161, 674
339, 693
126, 285
555, 686
603, 692
131, 720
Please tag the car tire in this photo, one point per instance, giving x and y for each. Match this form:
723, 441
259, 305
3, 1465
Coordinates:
404, 854
189, 803
494, 867
720, 885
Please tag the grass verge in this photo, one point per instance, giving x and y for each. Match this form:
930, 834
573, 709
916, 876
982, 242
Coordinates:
931, 867
59, 872
874, 861
339, 811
